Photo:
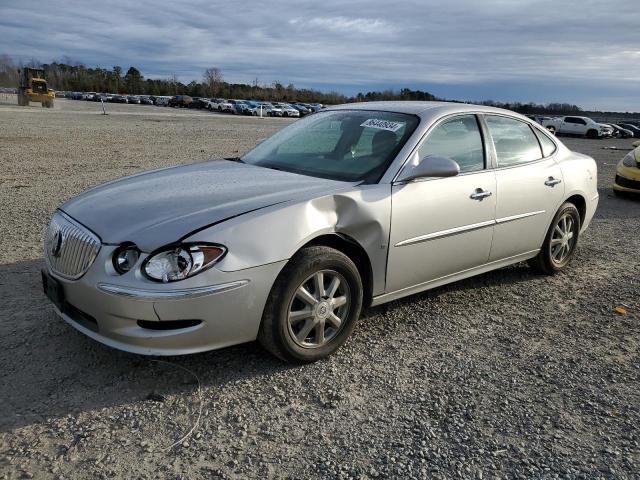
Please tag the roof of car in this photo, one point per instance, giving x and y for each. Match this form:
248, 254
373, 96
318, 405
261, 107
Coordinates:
422, 108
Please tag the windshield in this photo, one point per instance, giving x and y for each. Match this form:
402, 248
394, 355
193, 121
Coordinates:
349, 145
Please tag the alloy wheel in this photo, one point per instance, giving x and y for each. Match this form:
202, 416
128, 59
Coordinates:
563, 238
319, 308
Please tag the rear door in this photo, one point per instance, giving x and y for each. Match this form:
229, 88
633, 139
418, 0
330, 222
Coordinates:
441, 226
528, 183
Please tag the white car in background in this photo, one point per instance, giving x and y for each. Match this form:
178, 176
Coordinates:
220, 105
162, 101
273, 110
581, 126
288, 110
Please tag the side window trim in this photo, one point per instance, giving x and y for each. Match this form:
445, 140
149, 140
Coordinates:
493, 146
539, 133
490, 155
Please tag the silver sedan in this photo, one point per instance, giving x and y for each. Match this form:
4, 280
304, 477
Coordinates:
356, 205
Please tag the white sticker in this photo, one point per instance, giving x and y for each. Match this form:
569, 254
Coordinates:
383, 124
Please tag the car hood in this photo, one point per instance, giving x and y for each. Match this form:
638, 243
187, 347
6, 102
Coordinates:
163, 206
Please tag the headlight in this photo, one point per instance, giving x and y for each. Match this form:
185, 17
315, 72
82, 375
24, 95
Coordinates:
630, 160
181, 261
125, 257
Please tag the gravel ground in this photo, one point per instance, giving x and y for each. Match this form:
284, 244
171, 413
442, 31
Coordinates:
507, 374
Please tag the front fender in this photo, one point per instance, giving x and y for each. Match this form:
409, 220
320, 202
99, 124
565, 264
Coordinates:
276, 233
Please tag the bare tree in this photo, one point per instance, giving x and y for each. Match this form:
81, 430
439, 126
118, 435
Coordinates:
213, 80
8, 72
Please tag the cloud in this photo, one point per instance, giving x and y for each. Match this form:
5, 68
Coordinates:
583, 50
346, 25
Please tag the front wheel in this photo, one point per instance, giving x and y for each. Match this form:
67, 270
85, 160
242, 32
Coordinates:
560, 242
592, 134
313, 306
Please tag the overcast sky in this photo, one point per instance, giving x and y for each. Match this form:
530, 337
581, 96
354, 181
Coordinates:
578, 51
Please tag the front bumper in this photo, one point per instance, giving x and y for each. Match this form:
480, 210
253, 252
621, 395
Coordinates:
209, 311
627, 179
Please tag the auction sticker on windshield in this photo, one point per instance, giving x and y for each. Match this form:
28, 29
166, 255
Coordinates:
383, 124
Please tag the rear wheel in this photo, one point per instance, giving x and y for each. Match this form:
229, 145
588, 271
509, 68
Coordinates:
313, 306
560, 242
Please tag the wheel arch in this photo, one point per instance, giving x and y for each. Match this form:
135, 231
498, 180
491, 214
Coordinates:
352, 249
580, 203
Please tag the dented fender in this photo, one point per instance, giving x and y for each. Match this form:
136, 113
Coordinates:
361, 214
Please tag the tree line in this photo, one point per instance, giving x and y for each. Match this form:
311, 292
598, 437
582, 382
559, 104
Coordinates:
77, 77
71, 76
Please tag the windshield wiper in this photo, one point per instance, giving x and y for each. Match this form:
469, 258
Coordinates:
235, 159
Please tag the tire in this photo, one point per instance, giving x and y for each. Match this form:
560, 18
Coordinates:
592, 134
552, 130
320, 327
549, 261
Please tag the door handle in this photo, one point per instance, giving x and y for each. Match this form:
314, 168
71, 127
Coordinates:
550, 182
479, 194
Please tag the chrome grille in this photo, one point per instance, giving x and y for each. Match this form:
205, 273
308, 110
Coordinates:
69, 248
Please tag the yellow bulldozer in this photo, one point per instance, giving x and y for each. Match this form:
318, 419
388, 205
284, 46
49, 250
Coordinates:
33, 88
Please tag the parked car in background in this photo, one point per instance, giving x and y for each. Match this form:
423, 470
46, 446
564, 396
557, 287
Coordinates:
239, 106
133, 99
273, 110
259, 109
288, 110
628, 174
301, 108
199, 103
540, 119
607, 130
220, 105
162, 101
353, 206
580, 126
146, 100
632, 128
620, 132
180, 101
119, 99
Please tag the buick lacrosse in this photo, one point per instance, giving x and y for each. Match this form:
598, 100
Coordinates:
355, 205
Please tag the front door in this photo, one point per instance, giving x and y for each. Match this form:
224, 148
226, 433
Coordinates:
442, 226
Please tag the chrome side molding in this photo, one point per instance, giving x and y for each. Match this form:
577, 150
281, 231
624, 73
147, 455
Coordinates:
465, 228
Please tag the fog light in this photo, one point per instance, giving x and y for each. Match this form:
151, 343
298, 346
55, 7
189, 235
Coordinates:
125, 258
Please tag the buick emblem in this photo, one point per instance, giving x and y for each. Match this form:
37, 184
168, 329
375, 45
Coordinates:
56, 244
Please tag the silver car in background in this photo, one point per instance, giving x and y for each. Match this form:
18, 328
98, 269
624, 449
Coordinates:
355, 205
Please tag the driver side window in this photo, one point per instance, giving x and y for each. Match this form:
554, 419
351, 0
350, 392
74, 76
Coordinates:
459, 139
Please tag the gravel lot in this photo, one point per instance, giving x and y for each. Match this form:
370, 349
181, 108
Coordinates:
507, 374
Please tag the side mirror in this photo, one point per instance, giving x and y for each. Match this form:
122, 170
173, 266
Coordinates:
430, 166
